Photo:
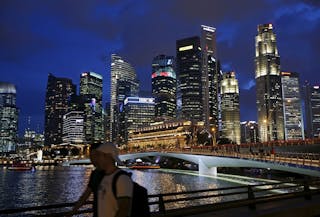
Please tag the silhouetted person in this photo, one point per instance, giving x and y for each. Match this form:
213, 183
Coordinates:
94, 181
109, 204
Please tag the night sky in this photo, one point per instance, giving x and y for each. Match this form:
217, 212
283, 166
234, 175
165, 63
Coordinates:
68, 37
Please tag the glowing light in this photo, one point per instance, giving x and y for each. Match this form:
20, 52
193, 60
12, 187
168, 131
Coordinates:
189, 47
208, 28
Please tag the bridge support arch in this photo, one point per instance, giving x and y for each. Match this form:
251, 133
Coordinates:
205, 170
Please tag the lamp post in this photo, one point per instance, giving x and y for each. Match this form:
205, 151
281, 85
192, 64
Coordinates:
213, 130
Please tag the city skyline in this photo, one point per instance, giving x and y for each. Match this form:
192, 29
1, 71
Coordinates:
66, 40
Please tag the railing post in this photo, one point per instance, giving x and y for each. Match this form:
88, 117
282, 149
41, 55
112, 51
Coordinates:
251, 197
162, 208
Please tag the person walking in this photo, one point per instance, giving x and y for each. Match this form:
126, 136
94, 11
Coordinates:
109, 204
95, 178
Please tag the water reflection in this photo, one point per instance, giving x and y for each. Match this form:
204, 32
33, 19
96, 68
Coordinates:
51, 185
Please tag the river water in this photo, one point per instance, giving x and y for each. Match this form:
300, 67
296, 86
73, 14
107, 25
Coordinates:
52, 185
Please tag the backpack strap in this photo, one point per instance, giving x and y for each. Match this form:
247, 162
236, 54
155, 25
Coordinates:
115, 179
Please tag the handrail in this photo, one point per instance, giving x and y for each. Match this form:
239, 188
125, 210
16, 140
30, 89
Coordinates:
161, 202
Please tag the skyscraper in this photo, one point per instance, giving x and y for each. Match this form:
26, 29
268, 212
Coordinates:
138, 112
73, 121
8, 117
189, 68
249, 132
91, 91
211, 77
312, 106
268, 85
73, 127
292, 107
124, 83
230, 108
58, 93
164, 86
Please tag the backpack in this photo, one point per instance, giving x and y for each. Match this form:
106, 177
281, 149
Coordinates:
140, 206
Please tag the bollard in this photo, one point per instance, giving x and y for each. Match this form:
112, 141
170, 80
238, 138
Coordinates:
251, 197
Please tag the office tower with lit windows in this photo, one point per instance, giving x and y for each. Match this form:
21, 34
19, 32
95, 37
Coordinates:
8, 118
91, 92
249, 132
292, 107
268, 85
107, 122
124, 83
230, 108
189, 68
73, 127
138, 112
58, 93
312, 106
73, 121
164, 86
211, 77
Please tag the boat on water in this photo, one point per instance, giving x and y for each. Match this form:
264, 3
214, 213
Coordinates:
144, 167
139, 164
21, 167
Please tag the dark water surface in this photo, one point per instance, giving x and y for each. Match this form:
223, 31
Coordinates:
52, 185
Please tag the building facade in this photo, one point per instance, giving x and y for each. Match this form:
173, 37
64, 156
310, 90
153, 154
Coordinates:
91, 86
268, 85
292, 107
164, 86
211, 77
312, 106
58, 93
189, 68
73, 128
164, 134
8, 118
138, 112
230, 108
249, 132
124, 83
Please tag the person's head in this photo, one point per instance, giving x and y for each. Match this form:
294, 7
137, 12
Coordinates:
93, 153
107, 155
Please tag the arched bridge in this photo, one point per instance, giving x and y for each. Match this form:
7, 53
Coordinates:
209, 161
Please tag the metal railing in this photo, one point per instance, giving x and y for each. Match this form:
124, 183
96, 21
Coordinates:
302, 159
196, 202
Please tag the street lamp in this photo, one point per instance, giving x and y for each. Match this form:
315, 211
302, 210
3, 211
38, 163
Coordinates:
213, 130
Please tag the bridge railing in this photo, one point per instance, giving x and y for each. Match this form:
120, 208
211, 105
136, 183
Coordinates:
304, 159
195, 202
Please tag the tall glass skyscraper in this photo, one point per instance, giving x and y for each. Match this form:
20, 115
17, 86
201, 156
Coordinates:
211, 77
268, 85
189, 68
164, 86
124, 83
292, 107
58, 93
91, 92
312, 106
230, 108
8, 117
